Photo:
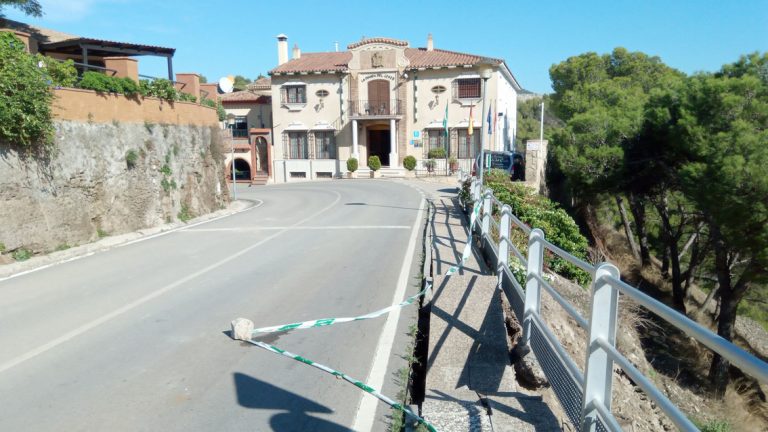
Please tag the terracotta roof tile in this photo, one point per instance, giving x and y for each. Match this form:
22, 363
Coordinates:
244, 96
264, 83
315, 62
377, 40
421, 58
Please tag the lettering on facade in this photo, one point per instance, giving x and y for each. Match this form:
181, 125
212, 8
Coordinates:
379, 75
377, 60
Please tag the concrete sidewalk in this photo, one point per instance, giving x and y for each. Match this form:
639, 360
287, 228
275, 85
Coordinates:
470, 383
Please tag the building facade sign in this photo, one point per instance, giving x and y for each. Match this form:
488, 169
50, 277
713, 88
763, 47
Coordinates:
379, 75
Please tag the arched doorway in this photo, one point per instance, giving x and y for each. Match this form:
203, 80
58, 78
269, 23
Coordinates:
378, 140
262, 164
242, 170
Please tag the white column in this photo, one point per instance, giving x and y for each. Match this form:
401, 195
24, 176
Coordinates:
355, 150
393, 162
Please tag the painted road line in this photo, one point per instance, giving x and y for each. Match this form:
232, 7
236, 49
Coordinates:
136, 303
357, 383
301, 228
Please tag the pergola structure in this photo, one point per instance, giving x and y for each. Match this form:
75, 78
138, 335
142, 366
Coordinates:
86, 47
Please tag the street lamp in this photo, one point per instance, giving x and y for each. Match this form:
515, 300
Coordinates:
485, 72
231, 124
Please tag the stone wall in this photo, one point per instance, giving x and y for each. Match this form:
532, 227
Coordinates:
87, 188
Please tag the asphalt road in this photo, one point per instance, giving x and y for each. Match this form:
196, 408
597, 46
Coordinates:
135, 338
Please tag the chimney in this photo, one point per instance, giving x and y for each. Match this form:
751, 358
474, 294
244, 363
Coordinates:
336, 46
296, 51
282, 49
430, 44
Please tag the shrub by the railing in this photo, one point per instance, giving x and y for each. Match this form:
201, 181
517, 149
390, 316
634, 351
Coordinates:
102, 83
25, 96
213, 104
186, 97
436, 153
374, 163
352, 164
61, 73
409, 162
538, 211
208, 102
159, 88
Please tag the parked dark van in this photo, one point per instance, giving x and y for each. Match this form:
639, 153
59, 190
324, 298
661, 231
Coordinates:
510, 162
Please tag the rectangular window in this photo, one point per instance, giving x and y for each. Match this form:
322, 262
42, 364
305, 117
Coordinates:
294, 94
468, 144
436, 138
467, 88
325, 145
297, 145
240, 127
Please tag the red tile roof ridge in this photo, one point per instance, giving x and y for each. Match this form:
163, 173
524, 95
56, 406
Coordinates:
386, 40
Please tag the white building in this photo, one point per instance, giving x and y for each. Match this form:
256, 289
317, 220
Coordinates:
381, 97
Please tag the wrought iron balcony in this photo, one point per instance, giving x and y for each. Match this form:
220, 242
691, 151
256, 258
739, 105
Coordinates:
375, 108
239, 133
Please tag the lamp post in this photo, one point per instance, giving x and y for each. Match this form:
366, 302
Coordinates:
231, 124
485, 73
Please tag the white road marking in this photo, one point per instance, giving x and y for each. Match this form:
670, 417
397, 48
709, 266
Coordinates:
300, 228
132, 305
366, 412
141, 239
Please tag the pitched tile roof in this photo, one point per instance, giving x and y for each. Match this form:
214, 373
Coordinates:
315, 62
377, 40
263, 83
421, 58
244, 96
418, 58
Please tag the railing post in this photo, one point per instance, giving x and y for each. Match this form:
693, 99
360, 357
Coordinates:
598, 374
532, 288
487, 211
506, 212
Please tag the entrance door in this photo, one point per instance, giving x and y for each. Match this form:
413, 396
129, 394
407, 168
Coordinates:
378, 145
378, 97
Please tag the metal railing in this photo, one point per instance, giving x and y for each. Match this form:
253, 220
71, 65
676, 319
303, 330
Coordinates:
375, 108
585, 397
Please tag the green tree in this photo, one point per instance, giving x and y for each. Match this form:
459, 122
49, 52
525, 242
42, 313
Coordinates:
602, 100
29, 7
529, 121
720, 125
25, 96
241, 83
203, 79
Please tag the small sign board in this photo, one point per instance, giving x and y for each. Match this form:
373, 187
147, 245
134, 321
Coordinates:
417, 134
532, 145
416, 143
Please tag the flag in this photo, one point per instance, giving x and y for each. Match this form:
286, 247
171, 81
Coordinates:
445, 120
471, 127
489, 119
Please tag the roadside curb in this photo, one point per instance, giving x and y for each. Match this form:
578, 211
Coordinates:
16, 269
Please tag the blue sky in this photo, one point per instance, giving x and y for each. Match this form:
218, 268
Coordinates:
237, 37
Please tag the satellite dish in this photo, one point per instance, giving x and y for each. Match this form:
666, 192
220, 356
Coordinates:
226, 84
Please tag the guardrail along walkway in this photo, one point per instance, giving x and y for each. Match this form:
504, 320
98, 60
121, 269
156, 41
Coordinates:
468, 367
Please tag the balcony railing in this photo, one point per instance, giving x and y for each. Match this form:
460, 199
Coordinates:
375, 108
239, 133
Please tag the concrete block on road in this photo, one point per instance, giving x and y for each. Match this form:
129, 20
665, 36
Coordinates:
242, 329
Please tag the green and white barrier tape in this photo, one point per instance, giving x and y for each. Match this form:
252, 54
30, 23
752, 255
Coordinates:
361, 385
323, 322
331, 321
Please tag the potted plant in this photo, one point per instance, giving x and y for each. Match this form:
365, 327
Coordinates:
429, 164
453, 164
352, 168
409, 162
375, 165
436, 153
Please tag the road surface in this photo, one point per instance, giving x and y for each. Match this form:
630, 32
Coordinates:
135, 338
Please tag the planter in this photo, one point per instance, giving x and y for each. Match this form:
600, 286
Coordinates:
375, 174
410, 174
454, 167
351, 174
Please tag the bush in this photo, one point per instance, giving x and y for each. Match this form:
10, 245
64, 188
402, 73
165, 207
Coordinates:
184, 214
131, 157
352, 164
430, 164
25, 96
409, 162
220, 111
159, 88
61, 73
186, 97
374, 163
22, 254
436, 153
208, 102
539, 212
